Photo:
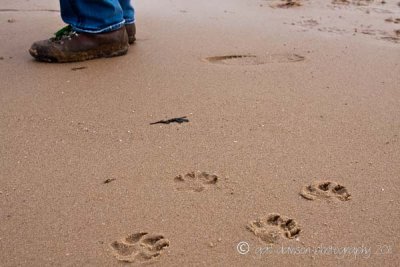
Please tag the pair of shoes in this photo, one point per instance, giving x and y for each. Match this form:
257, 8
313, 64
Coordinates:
71, 46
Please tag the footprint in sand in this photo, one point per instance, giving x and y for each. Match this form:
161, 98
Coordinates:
353, 2
340, 2
238, 59
395, 37
139, 247
308, 23
272, 227
393, 20
325, 190
286, 4
195, 181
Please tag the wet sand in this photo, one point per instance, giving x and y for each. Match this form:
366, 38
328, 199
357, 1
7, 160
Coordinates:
292, 144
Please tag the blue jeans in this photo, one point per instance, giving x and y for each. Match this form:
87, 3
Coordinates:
96, 16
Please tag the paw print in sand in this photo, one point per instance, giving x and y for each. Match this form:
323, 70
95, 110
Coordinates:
326, 190
195, 181
139, 247
272, 227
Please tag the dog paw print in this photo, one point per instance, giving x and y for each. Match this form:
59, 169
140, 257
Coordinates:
139, 247
325, 190
272, 227
195, 181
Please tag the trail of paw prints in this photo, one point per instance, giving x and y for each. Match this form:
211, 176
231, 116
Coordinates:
383, 35
367, 6
352, 2
139, 247
196, 181
325, 190
273, 227
249, 59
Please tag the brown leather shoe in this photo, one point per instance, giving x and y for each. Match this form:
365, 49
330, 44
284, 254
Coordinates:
131, 30
70, 46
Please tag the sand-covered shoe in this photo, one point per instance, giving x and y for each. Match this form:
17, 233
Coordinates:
131, 30
70, 46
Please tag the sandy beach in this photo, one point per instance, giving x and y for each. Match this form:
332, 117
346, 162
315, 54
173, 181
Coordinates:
290, 156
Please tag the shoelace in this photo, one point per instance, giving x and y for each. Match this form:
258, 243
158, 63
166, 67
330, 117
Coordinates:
65, 32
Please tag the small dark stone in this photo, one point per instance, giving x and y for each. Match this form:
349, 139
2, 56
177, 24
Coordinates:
78, 68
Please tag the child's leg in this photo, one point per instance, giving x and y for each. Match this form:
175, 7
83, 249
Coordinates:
128, 10
92, 16
129, 16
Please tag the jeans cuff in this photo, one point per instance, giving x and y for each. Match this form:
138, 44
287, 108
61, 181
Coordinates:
107, 29
130, 21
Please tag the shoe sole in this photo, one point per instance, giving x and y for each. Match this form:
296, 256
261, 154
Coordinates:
80, 56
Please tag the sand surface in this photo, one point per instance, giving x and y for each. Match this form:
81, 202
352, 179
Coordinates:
295, 110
